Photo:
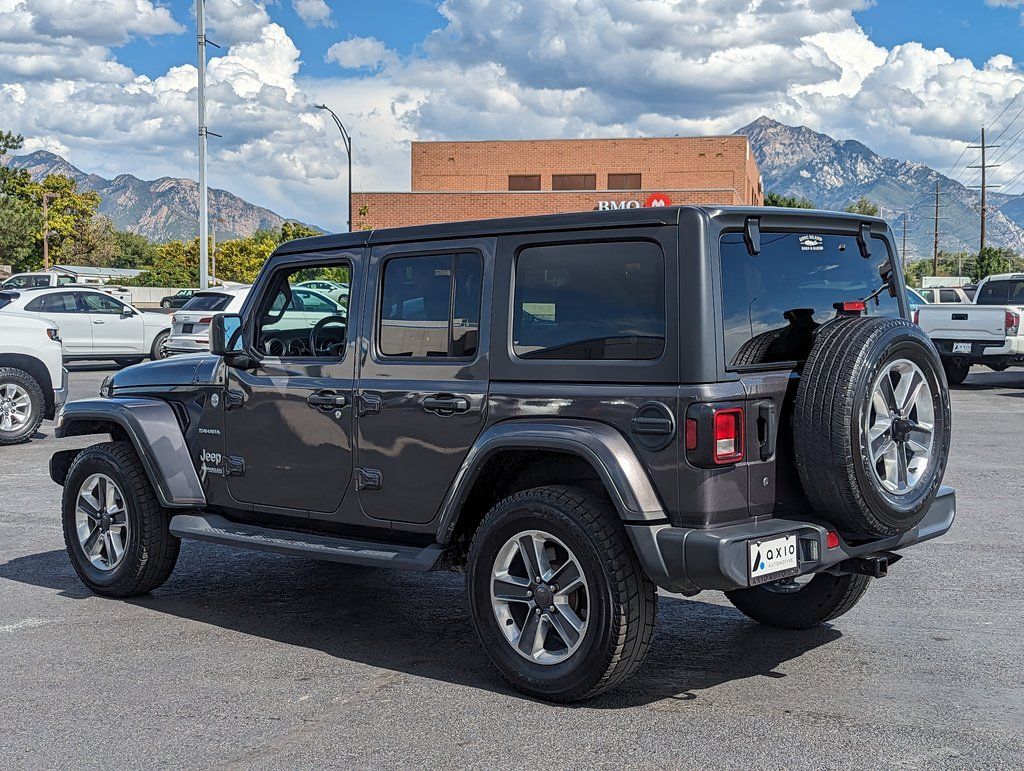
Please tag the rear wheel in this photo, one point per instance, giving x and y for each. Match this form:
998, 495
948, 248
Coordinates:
126, 362
115, 530
802, 602
956, 372
21, 406
557, 596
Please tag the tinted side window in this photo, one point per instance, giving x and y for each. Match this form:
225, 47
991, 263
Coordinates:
1001, 293
430, 306
100, 303
590, 301
948, 296
58, 302
773, 302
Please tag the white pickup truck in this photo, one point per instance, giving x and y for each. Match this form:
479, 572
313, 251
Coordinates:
33, 382
987, 331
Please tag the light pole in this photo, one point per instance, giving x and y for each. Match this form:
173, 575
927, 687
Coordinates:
348, 151
47, 197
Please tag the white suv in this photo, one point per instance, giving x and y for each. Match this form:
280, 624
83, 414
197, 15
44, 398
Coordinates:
33, 382
93, 325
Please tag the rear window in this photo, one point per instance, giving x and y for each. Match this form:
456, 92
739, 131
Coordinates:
590, 301
207, 301
1001, 293
773, 302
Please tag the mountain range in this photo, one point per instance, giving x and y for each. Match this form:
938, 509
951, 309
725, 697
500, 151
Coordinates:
161, 209
794, 160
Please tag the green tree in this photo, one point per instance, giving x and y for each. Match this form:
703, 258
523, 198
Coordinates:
863, 205
19, 219
91, 242
241, 259
133, 250
771, 198
174, 264
994, 259
292, 230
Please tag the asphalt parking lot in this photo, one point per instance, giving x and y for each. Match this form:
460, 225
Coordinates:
246, 659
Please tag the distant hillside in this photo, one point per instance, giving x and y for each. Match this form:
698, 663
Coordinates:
163, 209
795, 160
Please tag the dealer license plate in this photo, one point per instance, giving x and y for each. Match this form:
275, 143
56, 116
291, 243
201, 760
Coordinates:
961, 347
772, 559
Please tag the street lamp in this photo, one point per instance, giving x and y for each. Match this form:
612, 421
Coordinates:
348, 151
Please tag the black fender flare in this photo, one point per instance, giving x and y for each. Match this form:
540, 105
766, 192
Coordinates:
601, 445
153, 429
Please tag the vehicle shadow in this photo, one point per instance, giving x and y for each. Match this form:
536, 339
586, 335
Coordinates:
417, 624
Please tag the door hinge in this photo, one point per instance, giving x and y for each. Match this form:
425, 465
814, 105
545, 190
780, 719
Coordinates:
367, 404
233, 399
235, 466
368, 478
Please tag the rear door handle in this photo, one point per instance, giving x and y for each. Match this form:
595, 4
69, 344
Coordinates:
445, 404
97, 321
326, 400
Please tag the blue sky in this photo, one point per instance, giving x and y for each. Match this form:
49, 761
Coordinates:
110, 84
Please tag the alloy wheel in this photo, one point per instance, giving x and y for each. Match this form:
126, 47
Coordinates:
898, 426
540, 597
101, 521
15, 407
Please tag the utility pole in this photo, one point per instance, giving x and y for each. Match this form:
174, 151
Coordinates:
204, 216
903, 248
935, 245
46, 227
984, 166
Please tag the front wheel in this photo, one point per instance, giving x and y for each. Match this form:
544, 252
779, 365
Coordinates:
21, 406
802, 602
115, 530
157, 352
557, 596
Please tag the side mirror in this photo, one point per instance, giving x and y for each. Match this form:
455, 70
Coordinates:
226, 335
127, 312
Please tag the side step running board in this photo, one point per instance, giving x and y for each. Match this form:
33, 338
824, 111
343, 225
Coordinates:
217, 529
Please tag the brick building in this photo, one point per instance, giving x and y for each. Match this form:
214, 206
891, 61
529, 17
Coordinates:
453, 181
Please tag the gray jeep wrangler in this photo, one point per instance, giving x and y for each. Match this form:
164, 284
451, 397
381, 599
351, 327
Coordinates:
574, 409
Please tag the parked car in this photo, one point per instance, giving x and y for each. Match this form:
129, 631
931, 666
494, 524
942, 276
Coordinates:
33, 381
914, 301
178, 299
546, 404
190, 326
93, 325
335, 290
945, 295
987, 331
35, 280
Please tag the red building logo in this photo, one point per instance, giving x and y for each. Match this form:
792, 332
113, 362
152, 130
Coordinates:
657, 199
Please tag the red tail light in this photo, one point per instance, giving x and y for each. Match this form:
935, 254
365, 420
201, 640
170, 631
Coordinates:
691, 434
1012, 324
832, 539
915, 316
207, 320
855, 306
728, 447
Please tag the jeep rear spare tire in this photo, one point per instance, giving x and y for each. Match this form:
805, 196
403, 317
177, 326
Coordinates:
871, 425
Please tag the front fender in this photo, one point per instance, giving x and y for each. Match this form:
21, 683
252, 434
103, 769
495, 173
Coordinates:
602, 446
153, 429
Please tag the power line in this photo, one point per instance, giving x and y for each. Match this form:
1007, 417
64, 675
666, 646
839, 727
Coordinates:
984, 166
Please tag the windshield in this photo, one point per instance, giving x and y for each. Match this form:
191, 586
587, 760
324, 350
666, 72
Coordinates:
1001, 293
775, 300
207, 301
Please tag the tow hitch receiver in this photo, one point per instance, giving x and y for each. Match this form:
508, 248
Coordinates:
876, 566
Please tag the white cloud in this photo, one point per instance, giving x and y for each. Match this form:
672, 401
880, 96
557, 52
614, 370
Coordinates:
496, 68
359, 52
314, 13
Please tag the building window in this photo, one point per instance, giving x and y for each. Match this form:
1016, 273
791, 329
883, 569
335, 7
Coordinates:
590, 301
624, 182
524, 181
419, 318
574, 182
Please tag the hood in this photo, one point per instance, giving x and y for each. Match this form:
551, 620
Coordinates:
194, 369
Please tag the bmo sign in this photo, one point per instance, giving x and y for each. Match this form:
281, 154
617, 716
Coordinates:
653, 200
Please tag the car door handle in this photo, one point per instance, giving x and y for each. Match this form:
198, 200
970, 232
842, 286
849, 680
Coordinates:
97, 321
445, 403
326, 400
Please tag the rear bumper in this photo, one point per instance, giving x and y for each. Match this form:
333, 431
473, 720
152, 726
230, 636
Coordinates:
688, 560
186, 345
983, 352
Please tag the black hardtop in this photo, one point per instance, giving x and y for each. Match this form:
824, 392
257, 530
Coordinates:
669, 215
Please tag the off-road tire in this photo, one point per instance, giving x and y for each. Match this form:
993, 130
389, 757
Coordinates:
956, 373
822, 599
151, 551
624, 601
157, 351
829, 445
37, 402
